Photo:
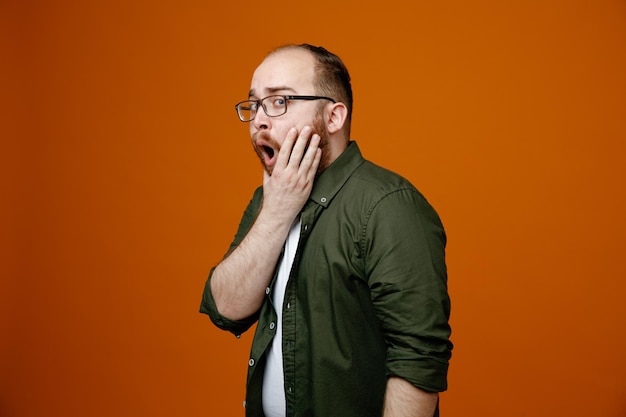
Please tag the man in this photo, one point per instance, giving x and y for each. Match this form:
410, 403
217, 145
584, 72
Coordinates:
341, 262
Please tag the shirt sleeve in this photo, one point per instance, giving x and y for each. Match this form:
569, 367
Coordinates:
404, 244
207, 305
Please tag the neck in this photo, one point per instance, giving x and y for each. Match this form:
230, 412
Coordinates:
335, 145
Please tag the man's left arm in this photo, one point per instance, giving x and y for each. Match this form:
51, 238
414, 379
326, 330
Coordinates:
403, 399
405, 252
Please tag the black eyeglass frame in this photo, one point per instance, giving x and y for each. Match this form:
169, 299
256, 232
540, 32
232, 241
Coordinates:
287, 98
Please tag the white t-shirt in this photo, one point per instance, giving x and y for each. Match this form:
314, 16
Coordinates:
274, 402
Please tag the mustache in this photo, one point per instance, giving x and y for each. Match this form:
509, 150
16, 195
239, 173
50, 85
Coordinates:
264, 136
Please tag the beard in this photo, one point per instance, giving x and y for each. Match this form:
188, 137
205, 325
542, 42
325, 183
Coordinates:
318, 126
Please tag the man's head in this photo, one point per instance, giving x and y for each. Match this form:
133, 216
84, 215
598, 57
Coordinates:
332, 78
300, 70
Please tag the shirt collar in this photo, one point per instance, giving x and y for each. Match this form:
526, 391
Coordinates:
328, 184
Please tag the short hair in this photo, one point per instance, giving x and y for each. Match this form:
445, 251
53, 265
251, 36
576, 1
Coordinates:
332, 78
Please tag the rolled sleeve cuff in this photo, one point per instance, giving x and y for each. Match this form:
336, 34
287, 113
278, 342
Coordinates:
207, 306
427, 373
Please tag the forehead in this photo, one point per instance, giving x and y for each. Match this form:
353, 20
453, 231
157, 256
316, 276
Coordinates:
291, 70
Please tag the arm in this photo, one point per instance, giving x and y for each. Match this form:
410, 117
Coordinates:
239, 281
403, 399
408, 283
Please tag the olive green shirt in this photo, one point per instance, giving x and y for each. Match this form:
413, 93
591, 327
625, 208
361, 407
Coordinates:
366, 298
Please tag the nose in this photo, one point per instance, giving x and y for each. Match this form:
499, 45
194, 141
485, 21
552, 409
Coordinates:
261, 119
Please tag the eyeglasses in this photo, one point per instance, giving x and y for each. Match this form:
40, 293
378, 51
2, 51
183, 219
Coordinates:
272, 105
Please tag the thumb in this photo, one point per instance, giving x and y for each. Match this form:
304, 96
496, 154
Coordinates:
266, 177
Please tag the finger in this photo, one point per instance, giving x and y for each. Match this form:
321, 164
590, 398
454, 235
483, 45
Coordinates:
285, 149
311, 152
310, 175
300, 145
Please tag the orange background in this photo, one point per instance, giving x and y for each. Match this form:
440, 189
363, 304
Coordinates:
125, 172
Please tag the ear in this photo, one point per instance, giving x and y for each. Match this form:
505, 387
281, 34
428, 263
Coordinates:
336, 115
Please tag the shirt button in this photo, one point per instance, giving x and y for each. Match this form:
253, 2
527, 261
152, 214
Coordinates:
290, 389
288, 306
251, 362
323, 199
272, 325
267, 290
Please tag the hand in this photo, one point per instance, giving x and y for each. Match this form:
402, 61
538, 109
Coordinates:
287, 189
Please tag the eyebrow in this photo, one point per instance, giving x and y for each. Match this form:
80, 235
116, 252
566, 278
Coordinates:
272, 90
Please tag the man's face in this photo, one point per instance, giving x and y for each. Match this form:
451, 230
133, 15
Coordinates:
287, 72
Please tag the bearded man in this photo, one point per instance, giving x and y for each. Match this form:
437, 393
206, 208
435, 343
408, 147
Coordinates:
341, 262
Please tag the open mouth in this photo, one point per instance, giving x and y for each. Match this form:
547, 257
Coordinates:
268, 151
267, 154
